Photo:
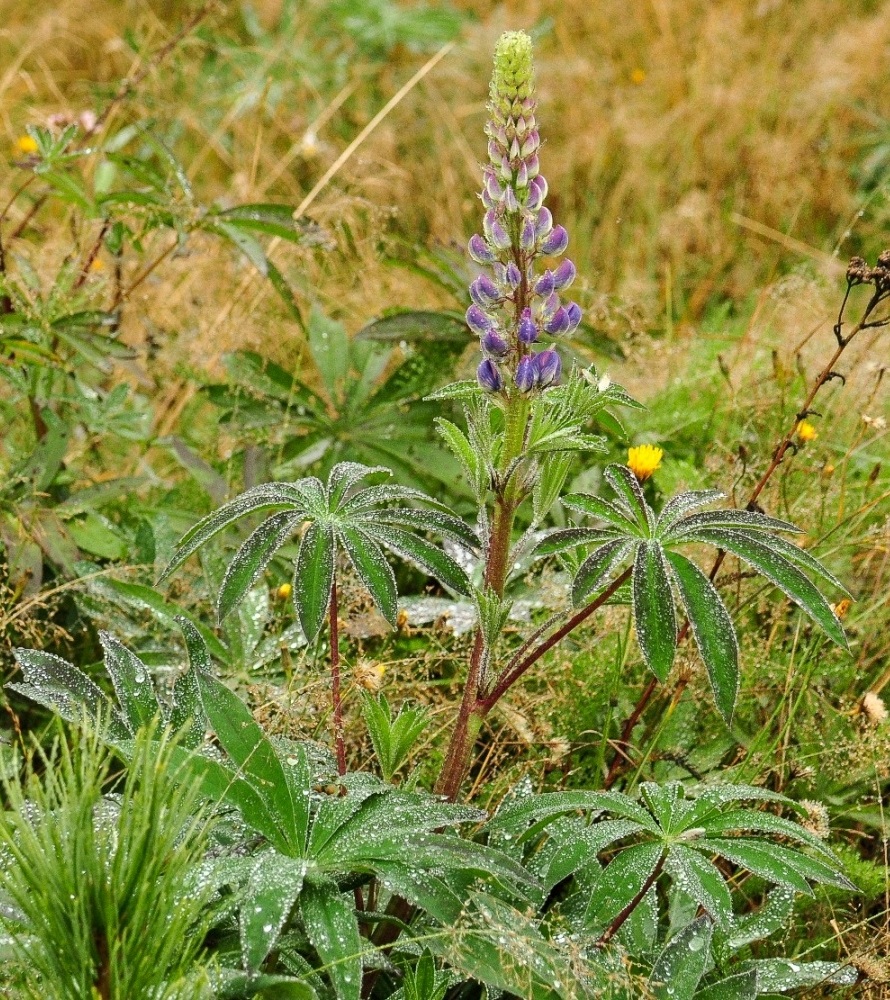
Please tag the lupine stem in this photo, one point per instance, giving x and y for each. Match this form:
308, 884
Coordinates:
336, 697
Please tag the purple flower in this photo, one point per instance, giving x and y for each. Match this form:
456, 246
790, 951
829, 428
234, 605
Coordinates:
489, 376
558, 322
477, 321
564, 275
573, 311
544, 223
480, 251
556, 242
500, 237
494, 343
526, 373
484, 292
527, 236
548, 368
527, 332
537, 192
545, 284
512, 276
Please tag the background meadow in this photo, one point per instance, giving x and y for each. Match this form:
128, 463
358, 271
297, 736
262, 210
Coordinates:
716, 165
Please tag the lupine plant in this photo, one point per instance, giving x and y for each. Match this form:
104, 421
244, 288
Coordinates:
341, 884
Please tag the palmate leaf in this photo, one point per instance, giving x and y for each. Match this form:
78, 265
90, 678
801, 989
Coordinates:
653, 609
679, 968
132, 683
778, 864
564, 539
427, 556
599, 566
742, 986
605, 510
628, 488
272, 889
698, 878
619, 883
712, 629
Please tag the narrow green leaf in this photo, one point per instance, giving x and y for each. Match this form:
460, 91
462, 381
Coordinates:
373, 570
605, 510
743, 520
759, 821
515, 815
426, 520
132, 683
563, 539
780, 571
628, 488
344, 475
619, 883
699, 879
332, 929
313, 577
252, 558
679, 968
187, 709
774, 862
713, 631
427, 556
272, 890
653, 608
259, 498
246, 744
598, 568
681, 504
739, 987
471, 461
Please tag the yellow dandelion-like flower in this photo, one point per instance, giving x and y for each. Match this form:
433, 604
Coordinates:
643, 460
637, 76
284, 591
806, 431
25, 145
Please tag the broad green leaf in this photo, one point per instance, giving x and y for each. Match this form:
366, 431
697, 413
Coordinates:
775, 974
427, 556
679, 968
599, 567
778, 569
699, 879
253, 754
618, 884
271, 891
773, 914
252, 558
713, 631
653, 607
759, 821
332, 929
514, 816
330, 347
132, 683
572, 844
373, 570
551, 479
313, 577
743, 520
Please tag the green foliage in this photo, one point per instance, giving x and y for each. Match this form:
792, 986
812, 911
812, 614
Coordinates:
97, 877
393, 739
359, 522
630, 532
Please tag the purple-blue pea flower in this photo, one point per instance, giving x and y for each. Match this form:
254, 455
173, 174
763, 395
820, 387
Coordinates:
512, 276
564, 275
489, 376
544, 223
494, 343
528, 235
477, 321
545, 284
526, 373
548, 368
556, 242
537, 192
558, 322
527, 331
484, 292
573, 311
480, 251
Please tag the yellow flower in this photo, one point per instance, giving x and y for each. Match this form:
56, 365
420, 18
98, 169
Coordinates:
806, 431
842, 607
369, 675
644, 460
25, 144
284, 592
637, 76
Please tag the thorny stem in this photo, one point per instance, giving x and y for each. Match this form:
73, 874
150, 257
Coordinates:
826, 375
336, 696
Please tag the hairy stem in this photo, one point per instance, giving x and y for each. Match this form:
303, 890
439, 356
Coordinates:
336, 697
